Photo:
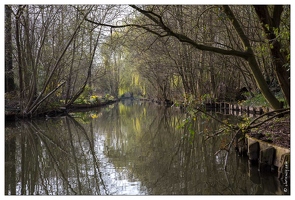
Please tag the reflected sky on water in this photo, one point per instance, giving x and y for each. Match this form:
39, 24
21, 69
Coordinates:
129, 148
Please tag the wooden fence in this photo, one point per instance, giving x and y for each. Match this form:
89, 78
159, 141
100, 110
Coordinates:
236, 109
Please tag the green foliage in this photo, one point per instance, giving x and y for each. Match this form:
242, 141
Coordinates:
94, 99
86, 98
187, 126
83, 98
244, 124
130, 60
269, 136
85, 117
259, 100
109, 97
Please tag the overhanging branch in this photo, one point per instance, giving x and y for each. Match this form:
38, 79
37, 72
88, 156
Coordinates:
158, 21
126, 25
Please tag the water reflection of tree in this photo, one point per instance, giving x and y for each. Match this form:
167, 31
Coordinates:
166, 160
143, 144
96, 165
10, 165
51, 157
161, 154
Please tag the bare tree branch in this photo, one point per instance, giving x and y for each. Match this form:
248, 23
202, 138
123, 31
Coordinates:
183, 38
36, 102
157, 19
48, 95
126, 25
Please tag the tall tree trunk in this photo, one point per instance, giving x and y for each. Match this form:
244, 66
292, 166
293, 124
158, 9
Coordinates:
258, 76
88, 73
269, 24
36, 103
69, 81
9, 77
19, 56
211, 61
32, 72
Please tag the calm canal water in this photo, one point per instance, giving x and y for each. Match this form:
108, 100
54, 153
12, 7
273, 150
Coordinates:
129, 148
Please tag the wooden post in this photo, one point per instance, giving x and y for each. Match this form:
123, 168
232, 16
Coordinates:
260, 110
253, 151
266, 158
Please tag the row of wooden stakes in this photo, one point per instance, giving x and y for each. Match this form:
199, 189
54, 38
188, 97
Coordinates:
236, 109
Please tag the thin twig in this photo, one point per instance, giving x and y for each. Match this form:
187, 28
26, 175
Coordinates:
215, 118
256, 125
215, 134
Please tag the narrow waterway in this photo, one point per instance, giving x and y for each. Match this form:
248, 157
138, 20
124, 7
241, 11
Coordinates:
128, 148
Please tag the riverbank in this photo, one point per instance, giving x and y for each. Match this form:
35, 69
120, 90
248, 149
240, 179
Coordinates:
269, 147
13, 113
276, 131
